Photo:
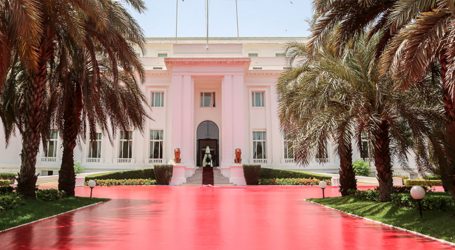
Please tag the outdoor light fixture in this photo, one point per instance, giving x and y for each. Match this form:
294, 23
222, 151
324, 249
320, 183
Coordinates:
92, 185
323, 185
418, 193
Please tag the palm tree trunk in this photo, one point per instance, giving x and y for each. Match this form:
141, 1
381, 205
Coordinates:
347, 175
382, 161
448, 171
71, 127
31, 137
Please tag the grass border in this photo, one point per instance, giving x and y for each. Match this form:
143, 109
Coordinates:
385, 224
53, 216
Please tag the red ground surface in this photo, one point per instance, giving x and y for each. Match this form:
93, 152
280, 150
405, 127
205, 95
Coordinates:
159, 217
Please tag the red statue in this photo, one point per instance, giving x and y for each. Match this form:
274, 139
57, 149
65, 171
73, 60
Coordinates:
177, 158
238, 156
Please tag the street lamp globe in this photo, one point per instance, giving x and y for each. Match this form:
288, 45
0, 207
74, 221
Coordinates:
91, 183
418, 193
322, 184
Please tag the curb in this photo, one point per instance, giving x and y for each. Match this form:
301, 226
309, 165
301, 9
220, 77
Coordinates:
52, 216
384, 224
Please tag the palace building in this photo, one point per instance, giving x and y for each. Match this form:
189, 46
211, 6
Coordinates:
221, 94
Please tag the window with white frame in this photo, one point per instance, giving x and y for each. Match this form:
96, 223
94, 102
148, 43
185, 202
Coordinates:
207, 99
365, 146
258, 98
51, 144
157, 99
259, 145
288, 149
126, 145
94, 150
156, 144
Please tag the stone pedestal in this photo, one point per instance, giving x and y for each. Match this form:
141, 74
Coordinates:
178, 175
236, 175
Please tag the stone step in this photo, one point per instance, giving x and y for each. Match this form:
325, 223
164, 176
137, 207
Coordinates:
220, 180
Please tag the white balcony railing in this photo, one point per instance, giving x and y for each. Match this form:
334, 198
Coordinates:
289, 161
260, 161
93, 160
156, 161
124, 160
48, 159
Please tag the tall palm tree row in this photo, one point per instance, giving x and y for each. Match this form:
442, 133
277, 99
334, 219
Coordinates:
346, 92
96, 29
414, 35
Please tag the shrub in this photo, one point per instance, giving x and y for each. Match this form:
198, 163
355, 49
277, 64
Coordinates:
7, 176
433, 201
432, 177
123, 175
290, 181
421, 182
6, 190
252, 174
268, 173
127, 182
163, 174
10, 201
361, 168
49, 194
368, 195
78, 168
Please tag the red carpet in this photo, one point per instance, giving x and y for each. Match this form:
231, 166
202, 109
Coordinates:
207, 176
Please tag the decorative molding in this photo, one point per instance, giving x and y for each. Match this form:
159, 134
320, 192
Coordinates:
172, 62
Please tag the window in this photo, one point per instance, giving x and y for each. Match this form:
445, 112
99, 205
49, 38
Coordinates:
288, 149
322, 154
51, 145
163, 55
94, 151
208, 99
280, 54
156, 144
257, 68
158, 68
253, 54
157, 99
364, 146
258, 98
126, 145
259, 145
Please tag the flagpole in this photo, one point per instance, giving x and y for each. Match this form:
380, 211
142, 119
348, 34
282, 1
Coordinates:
176, 19
207, 13
237, 15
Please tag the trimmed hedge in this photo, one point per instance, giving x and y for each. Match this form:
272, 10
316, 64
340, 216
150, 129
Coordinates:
268, 173
421, 182
361, 168
7, 176
5, 183
6, 190
127, 182
163, 174
252, 174
123, 175
10, 201
290, 181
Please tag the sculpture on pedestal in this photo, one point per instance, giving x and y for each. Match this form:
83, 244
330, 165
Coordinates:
177, 158
238, 156
207, 161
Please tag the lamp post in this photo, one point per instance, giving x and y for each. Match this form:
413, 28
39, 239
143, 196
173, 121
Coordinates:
92, 185
418, 193
323, 185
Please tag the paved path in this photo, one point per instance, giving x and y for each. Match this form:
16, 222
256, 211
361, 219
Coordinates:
161, 217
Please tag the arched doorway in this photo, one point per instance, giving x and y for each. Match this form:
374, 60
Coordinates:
207, 135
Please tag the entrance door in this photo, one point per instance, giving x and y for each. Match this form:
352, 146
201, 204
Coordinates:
207, 135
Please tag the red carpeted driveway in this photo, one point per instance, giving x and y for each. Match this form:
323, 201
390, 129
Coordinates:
159, 217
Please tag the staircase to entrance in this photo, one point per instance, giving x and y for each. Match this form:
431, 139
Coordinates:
219, 179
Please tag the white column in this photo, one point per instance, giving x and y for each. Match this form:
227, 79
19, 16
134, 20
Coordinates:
182, 118
234, 128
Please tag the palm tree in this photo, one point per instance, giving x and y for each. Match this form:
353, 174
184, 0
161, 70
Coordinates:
310, 117
414, 36
62, 23
351, 86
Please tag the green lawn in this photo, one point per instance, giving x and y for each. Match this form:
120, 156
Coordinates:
36, 209
439, 224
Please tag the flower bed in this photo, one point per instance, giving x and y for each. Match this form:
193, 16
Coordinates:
123, 175
125, 182
290, 181
422, 182
268, 173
